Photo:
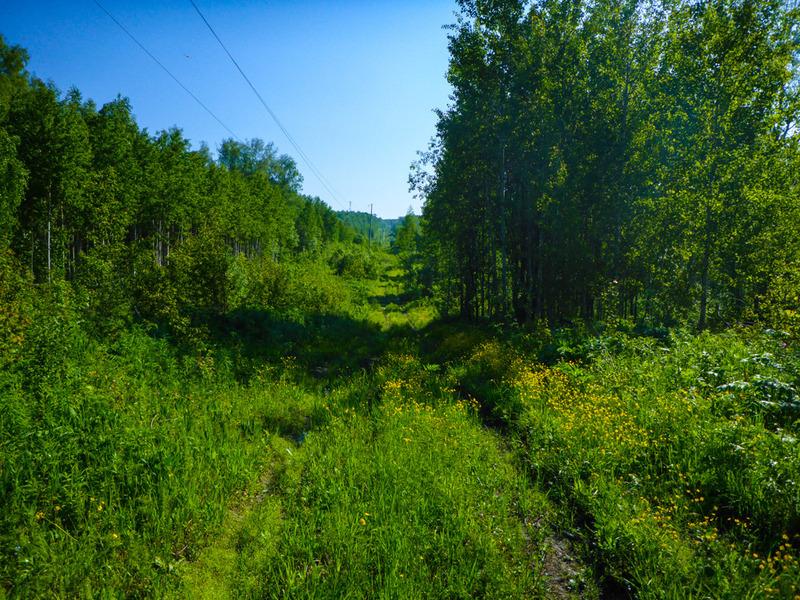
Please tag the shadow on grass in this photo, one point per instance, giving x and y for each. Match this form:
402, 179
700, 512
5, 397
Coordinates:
323, 346
399, 299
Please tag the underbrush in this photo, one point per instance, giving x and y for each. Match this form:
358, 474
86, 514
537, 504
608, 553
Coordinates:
120, 458
277, 452
676, 456
124, 448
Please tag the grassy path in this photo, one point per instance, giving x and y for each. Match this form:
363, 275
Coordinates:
396, 490
401, 499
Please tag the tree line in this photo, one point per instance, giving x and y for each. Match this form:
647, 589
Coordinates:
87, 196
616, 158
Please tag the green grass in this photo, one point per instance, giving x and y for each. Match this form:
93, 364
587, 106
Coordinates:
119, 466
287, 454
401, 499
678, 459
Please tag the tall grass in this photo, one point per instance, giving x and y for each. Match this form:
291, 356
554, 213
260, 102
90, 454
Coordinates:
402, 498
118, 460
680, 458
281, 453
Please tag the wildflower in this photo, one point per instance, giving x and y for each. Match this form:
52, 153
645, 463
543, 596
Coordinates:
362, 521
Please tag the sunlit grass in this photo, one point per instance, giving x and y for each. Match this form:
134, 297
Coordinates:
402, 499
687, 489
124, 464
318, 456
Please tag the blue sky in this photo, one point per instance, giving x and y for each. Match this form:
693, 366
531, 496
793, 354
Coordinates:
354, 82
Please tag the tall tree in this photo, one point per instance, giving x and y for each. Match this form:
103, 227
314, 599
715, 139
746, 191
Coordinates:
13, 179
255, 156
596, 152
55, 149
13, 77
726, 67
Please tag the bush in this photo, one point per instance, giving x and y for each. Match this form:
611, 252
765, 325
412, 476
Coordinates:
13, 318
305, 287
354, 263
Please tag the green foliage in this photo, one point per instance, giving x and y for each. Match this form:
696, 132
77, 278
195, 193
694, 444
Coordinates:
317, 289
13, 77
781, 302
206, 390
305, 287
258, 283
383, 230
613, 159
408, 234
284, 449
354, 262
678, 453
254, 156
199, 271
118, 462
14, 320
13, 179
146, 227
365, 506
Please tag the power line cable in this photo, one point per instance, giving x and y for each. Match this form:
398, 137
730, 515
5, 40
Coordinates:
331, 190
166, 70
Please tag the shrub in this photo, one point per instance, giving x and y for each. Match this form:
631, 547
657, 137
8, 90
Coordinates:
13, 318
354, 263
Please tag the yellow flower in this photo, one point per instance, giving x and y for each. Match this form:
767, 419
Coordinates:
363, 522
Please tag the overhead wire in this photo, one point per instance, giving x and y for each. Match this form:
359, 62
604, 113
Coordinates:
330, 189
195, 98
